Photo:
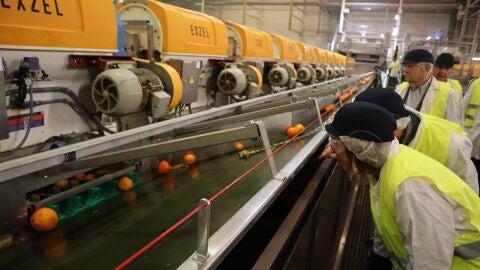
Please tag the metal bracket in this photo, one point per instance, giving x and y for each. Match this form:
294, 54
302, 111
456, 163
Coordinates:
266, 144
319, 114
201, 254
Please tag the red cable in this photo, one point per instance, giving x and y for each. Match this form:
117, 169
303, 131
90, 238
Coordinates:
194, 211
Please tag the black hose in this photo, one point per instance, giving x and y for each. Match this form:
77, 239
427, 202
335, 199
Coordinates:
100, 128
40, 146
51, 101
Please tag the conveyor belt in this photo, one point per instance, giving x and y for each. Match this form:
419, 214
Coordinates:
117, 228
121, 225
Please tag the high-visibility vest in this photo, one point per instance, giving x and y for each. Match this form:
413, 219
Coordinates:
439, 104
408, 163
455, 85
432, 131
473, 104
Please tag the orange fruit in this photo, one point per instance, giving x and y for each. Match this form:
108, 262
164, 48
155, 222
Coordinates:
44, 219
189, 158
89, 177
79, 176
239, 146
62, 183
125, 183
292, 132
300, 127
163, 167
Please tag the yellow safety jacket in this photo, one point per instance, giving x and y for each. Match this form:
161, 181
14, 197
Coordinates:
455, 85
439, 104
430, 132
395, 66
473, 104
400, 167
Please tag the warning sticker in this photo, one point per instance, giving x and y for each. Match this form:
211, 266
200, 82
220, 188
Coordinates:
20, 122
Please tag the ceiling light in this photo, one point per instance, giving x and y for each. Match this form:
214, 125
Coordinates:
429, 37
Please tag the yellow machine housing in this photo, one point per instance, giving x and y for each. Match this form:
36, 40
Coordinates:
285, 49
309, 55
321, 55
249, 43
176, 30
57, 25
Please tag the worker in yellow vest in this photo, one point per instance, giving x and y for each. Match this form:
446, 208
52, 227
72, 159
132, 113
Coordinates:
427, 217
422, 91
471, 121
395, 72
442, 69
437, 138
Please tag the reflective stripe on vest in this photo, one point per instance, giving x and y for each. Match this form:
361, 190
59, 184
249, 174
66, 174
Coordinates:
433, 137
473, 104
439, 104
455, 85
408, 163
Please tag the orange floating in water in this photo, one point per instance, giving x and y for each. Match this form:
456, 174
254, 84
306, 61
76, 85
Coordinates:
292, 132
44, 219
89, 177
125, 183
190, 158
79, 176
163, 167
300, 127
62, 183
239, 146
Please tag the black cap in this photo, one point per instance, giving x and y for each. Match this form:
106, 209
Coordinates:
387, 98
363, 120
445, 60
417, 56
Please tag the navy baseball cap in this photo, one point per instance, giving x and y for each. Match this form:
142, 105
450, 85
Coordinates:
387, 98
417, 56
363, 120
445, 60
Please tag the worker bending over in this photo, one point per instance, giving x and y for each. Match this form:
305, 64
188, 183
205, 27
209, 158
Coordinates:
427, 217
437, 138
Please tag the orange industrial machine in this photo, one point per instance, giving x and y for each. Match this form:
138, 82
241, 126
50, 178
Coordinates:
305, 70
283, 74
249, 50
76, 70
37, 78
